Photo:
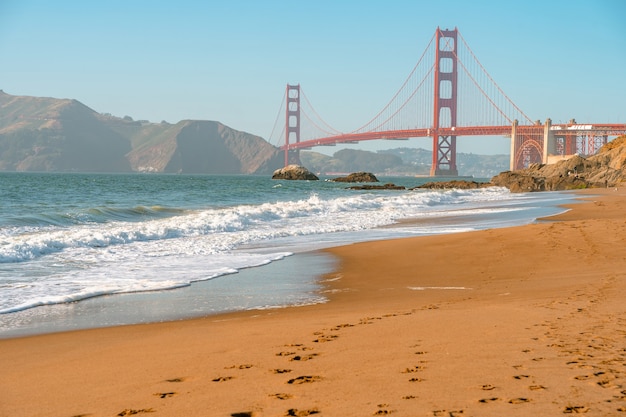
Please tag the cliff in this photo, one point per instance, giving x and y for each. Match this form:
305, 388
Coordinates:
605, 169
48, 134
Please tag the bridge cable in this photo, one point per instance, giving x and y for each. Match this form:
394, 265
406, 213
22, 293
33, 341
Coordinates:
280, 110
491, 79
482, 91
335, 131
399, 90
406, 101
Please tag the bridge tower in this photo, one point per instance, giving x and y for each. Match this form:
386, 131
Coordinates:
445, 104
292, 124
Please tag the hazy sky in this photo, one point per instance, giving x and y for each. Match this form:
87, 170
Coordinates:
230, 60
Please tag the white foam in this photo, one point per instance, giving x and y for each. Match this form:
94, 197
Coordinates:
229, 228
85, 260
113, 275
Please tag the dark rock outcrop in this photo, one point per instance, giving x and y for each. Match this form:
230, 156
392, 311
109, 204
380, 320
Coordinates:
357, 177
605, 169
294, 172
458, 184
388, 186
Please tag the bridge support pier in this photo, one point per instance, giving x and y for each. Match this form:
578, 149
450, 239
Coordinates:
444, 157
513, 145
549, 143
528, 144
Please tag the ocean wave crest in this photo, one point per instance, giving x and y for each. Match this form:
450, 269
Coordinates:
226, 228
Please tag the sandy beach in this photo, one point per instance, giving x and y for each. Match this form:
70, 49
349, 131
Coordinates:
522, 321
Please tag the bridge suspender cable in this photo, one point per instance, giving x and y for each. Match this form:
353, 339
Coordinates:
528, 119
331, 130
362, 128
278, 116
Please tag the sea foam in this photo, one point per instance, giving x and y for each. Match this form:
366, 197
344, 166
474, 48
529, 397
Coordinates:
98, 251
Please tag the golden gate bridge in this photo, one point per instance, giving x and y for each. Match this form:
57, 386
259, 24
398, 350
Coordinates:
447, 94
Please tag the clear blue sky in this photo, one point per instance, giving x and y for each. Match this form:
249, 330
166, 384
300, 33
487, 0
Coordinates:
230, 60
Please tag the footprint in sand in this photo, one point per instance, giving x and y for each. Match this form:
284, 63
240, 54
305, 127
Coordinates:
131, 412
487, 387
285, 353
301, 413
445, 413
304, 379
243, 414
414, 369
575, 409
488, 400
341, 326
281, 396
303, 358
223, 378
521, 376
281, 371
519, 400
165, 394
175, 380
325, 338
245, 366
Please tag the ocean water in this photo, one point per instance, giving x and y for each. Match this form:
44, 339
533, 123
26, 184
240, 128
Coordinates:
75, 245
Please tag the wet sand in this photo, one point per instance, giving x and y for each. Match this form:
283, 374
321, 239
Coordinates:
522, 321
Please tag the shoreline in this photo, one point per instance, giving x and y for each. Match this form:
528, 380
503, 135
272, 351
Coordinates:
212, 297
525, 320
293, 277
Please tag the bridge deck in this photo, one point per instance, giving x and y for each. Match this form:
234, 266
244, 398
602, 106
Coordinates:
558, 130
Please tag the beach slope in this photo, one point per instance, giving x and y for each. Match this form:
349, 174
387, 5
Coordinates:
522, 321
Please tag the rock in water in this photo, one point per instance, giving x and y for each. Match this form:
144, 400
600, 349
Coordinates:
294, 172
454, 184
389, 186
357, 177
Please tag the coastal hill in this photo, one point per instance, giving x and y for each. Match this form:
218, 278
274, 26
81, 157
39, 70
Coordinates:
400, 161
48, 134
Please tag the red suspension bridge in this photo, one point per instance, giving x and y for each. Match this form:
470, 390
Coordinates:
447, 94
